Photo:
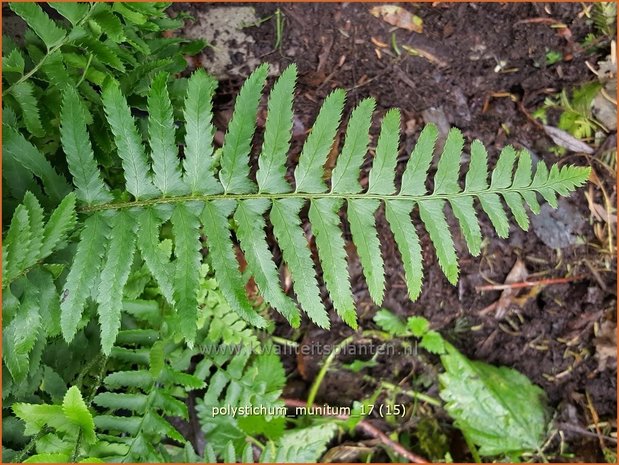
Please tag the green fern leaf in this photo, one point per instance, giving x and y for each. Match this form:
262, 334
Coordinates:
272, 162
446, 178
199, 134
516, 205
491, 204
73, 11
187, 251
433, 217
466, 215
15, 247
128, 142
61, 221
287, 229
76, 412
35, 217
83, 274
477, 176
101, 52
250, 232
323, 215
14, 62
414, 177
166, 168
21, 334
110, 25
398, 214
16, 147
382, 173
345, 176
237, 142
502, 173
155, 259
24, 95
114, 276
80, 157
363, 229
39, 22
215, 223
309, 171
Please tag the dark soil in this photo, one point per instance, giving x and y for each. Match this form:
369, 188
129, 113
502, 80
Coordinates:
487, 70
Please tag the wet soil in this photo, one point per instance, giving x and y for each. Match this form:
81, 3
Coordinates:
482, 68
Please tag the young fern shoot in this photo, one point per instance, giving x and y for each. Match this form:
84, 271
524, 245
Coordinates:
200, 198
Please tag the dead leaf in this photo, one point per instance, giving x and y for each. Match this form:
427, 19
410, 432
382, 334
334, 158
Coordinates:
518, 273
379, 43
606, 346
566, 140
399, 17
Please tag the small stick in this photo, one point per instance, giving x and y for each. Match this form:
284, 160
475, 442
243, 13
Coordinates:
372, 431
541, 282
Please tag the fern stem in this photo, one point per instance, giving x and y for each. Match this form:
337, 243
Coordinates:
331, 357
49, 53
414, 394
304, 196
79, 83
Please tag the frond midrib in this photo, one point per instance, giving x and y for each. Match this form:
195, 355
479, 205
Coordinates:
308, 196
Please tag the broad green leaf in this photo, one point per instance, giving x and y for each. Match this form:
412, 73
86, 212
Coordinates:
234, 174
522, 177
114, 275
433, 342
325, 220
414, 177
363, 228
418, 325
39, 22
383, 169
305, 445
516, 205
250, 232
199, 129
446, 177
278, 130
187, 272
398, 214
158, 264
83, 274
433, 217
295, 249
498, 408
37, 416
309, 171
345, 175
75, 410
224, 262
164, 153
128, 142
80, 157
110, 24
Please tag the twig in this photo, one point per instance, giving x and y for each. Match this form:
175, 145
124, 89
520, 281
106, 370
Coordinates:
541, 282
371, 430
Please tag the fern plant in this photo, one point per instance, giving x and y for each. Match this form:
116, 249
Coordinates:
210, 190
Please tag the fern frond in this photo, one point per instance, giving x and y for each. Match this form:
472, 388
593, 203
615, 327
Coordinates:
80, 157
237, 142
73, 11
230, 193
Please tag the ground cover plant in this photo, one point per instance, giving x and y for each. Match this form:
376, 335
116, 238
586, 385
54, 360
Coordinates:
135, 249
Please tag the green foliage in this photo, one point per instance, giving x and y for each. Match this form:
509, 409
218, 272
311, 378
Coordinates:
497, 408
